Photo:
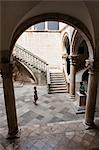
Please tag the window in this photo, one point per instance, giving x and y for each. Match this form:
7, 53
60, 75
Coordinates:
53, 25
39, 26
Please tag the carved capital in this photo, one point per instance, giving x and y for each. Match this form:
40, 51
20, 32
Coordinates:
73, 59
89, 64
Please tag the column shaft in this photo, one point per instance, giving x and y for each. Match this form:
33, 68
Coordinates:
91, 99
9, 98
72, 80
73, 60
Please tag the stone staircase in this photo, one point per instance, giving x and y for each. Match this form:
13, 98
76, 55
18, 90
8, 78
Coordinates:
29, 59
57, 83
36, 66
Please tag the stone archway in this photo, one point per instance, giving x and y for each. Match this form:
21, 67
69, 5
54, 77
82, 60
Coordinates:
57, 17
66, 51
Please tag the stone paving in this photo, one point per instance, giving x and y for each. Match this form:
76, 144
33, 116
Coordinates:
51, 107
51, 125
54, 136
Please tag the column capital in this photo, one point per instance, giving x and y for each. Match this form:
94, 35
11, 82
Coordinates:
73, 59
89, 64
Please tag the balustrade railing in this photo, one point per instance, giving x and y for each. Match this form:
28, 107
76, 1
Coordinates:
29, 59
48, 79
66, 77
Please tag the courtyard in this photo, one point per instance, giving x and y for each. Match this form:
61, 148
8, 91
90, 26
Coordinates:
51, 108
51, 125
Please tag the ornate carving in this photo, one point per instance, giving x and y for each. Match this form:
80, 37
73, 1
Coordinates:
89, 64
73, 59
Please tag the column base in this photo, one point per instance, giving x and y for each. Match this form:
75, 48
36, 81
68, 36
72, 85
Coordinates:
89, 126
14, 135
72, 96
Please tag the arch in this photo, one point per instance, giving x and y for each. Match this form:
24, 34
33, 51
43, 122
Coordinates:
85, 75
82, 47
77, 39
30, 72
75, 42
82, 53
66, 49
56, 17
80, 74
66, 43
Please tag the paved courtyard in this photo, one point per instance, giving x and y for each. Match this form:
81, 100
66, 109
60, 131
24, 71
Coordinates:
51, 107
54, 136
51, 125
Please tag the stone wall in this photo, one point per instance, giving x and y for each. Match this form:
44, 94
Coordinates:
46, 45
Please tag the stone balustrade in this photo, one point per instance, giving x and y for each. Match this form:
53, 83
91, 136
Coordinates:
30, 59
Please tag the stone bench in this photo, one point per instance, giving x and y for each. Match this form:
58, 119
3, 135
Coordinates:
81, 98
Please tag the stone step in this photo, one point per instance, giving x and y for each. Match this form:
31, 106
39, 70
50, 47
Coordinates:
55, 85
59, 91
57, 88
52, 76
55, 78
56, 74
58, 81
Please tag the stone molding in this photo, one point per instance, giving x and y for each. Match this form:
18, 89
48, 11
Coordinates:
73, 59
90, 65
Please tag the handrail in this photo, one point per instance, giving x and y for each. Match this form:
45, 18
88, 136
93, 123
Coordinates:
66, 77
48, 79
48, 75
29, 58
18, 46
65, 73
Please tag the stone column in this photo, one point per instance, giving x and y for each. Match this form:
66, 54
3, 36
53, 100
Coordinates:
9, 97
91, 95
64, 57
73, 60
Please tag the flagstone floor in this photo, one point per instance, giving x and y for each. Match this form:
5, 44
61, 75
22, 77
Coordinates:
51, 125
54, 136
51, 107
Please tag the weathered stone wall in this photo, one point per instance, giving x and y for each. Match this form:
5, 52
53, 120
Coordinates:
46, 45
